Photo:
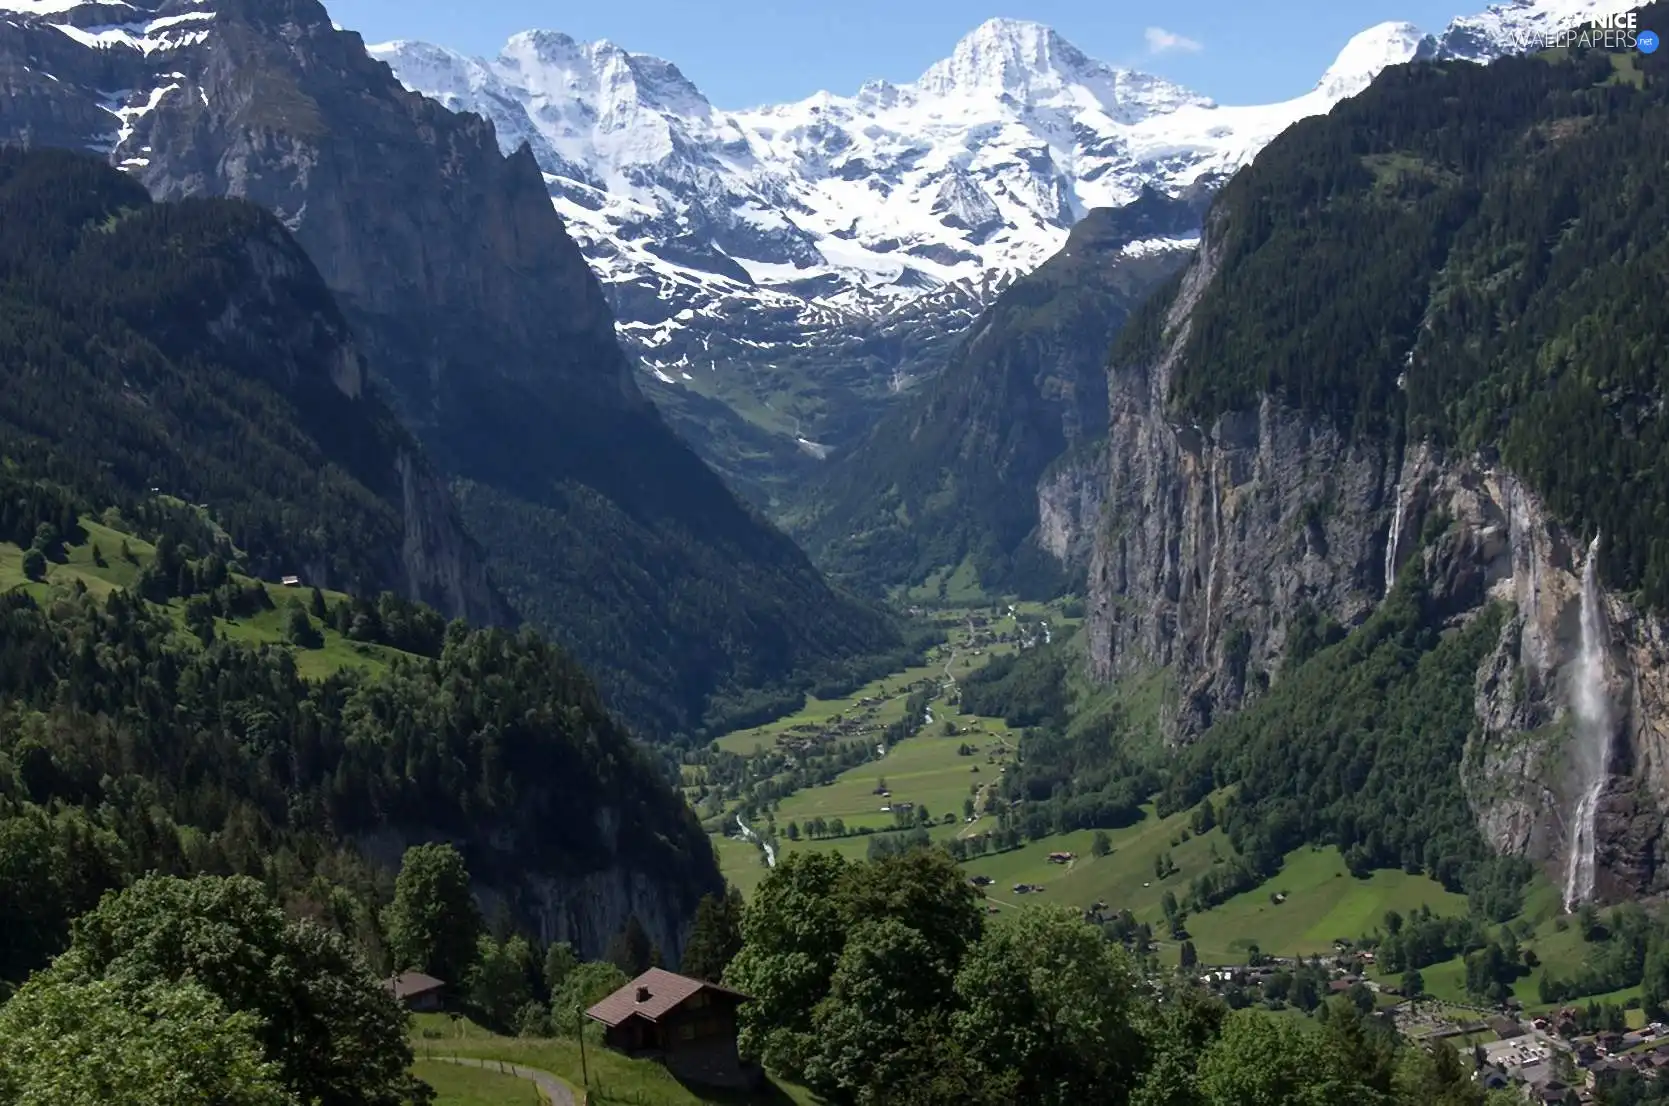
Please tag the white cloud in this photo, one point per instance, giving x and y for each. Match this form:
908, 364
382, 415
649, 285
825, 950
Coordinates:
1161, 41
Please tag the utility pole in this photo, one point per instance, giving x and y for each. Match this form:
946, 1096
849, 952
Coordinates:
585, 1074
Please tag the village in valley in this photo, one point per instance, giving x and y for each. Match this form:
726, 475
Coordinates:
1558, 1056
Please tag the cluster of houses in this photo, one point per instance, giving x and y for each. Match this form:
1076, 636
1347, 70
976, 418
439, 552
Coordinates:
1527, 1056
808, 736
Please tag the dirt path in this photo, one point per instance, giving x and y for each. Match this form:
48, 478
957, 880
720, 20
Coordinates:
556, 1091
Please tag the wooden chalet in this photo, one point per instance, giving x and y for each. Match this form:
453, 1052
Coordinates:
687, 1024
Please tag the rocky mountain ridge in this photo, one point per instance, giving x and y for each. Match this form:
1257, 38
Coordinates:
763, 257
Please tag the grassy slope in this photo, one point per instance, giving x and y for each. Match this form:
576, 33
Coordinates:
1560, 950
614, 1078
1323, 902
457, 1085
925, 769
266, 628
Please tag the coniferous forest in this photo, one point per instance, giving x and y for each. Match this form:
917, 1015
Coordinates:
187, 349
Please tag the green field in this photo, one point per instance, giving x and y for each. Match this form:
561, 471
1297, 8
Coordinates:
881, 702
1321, 900
887, 697
99, 579
1323, 903
460, 1085
265, 628
956, 585
614, 1078
926, 770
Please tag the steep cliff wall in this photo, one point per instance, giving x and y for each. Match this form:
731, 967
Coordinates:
587, 909
1216, 541
1070, 499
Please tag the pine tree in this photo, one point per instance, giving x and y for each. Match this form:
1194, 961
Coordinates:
630, 949
716, 937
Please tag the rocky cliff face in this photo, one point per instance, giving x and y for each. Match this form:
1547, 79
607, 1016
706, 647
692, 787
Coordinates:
1070, 500
1214, 541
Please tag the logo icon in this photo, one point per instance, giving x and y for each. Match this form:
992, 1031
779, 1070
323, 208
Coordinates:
1647, 41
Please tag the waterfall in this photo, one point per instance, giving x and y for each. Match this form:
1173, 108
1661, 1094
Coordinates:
1590, 701
1211, 563
1391, 541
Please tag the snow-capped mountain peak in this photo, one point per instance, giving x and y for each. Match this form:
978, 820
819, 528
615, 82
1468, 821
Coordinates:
1370, 53
1031, 66
834, 207
1006, 56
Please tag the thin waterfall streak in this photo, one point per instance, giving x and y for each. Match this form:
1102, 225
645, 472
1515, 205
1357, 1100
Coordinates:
1391, 541
1591, 704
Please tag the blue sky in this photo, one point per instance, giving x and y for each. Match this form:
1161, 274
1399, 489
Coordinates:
742, 53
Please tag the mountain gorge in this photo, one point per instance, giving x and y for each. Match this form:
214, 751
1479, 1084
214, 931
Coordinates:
936, 484
480, 318
1318, 415
784, 274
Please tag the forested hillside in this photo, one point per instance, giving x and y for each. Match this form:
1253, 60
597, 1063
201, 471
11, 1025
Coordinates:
157, 713
952, 473
1475, 256
127, 745
191, 349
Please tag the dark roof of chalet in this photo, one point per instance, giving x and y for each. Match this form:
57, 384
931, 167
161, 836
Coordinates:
663, 992
408, 984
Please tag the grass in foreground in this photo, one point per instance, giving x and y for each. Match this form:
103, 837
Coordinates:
614, 1078
457, 1085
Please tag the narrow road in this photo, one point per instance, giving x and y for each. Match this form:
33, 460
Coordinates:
556, 1091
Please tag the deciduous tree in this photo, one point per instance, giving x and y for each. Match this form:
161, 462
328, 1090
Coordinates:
433, 923
1045, 997
95, 1043
329, 1026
